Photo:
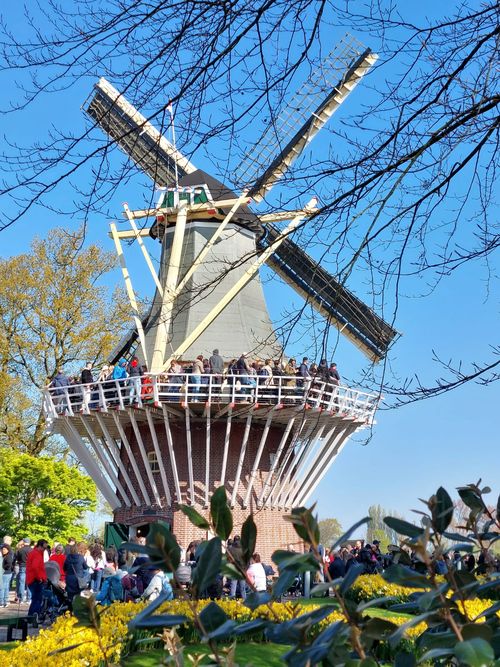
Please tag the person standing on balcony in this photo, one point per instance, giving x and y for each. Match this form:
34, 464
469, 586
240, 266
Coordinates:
303, 372
87, 380
216, 367
60, 385
134, 373
333, 374
196, 374
120, 375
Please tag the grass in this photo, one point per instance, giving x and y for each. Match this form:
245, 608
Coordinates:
371, 611
258, 655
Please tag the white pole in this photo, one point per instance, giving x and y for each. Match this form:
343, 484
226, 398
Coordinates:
174, 265
238, 286
130, 290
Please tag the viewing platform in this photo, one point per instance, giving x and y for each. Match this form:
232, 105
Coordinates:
156, 440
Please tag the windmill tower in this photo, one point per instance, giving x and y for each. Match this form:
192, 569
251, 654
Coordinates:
269, 442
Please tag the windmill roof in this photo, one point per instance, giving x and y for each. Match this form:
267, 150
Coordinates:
243, 216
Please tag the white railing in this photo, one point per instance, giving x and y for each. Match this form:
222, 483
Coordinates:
212, 389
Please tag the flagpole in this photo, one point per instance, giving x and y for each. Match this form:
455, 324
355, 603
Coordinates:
171, 112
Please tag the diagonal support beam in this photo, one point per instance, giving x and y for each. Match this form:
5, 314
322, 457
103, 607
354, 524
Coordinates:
130, 290
238, 286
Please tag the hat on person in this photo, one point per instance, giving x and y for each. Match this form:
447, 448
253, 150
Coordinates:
376, 542
27, 540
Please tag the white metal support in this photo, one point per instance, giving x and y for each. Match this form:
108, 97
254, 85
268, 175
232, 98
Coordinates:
306, 448
258, 456
172, 277
144, 455
207, 455
279, 451
130, 290
286, 459
81, 451
287, 490
144, 250
333, 449
131, 458
210, 243
159, 457
189, 457
171, 451
113, 448
108, 465
242, 457
238, 286
226, 443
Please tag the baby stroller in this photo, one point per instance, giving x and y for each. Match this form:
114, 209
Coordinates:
296, 589
54, 598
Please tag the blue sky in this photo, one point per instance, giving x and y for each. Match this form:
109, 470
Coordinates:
448, 440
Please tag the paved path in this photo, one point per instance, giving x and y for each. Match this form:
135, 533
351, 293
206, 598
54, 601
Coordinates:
14, 610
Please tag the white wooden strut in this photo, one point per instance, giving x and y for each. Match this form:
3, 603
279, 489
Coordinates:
113, 448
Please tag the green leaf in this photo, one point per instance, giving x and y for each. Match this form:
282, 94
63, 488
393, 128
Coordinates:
456, 537
256, 599
65, 649
474, 652
403, 576
472, 630
195, 517
403, 527
209, 565
85, 610
282, 583
248, 538
160, 621
166, 552
351, 576
442, 510
378, 628
287, 560
403, 659
222, 518
378, 602
305, 524
211, 617
471, 499
435, 653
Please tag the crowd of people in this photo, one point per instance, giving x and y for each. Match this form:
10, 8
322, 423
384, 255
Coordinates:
370, 556
136, 385
51, 576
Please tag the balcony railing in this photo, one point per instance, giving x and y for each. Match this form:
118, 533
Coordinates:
186, 388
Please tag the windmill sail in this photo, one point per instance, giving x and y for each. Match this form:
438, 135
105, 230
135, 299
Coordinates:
328, 296
138, 138
304, 116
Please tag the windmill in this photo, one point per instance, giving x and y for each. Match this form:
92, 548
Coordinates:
269, 444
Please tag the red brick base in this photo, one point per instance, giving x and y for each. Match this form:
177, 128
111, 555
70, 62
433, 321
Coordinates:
273, 532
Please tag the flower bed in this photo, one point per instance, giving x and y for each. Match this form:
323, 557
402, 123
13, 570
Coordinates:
89, 648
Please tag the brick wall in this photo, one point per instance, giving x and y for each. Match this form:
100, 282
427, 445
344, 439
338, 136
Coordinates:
273, 531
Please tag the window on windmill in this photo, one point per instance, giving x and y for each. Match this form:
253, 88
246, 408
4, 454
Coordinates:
185, 196
200, 196
153, 462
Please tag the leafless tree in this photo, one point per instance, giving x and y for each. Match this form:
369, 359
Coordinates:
410, 194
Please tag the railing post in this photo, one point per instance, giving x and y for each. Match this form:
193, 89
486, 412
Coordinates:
156, 394
102, 397
120, 397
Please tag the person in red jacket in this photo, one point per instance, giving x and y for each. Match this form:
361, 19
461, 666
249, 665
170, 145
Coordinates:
36, 577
